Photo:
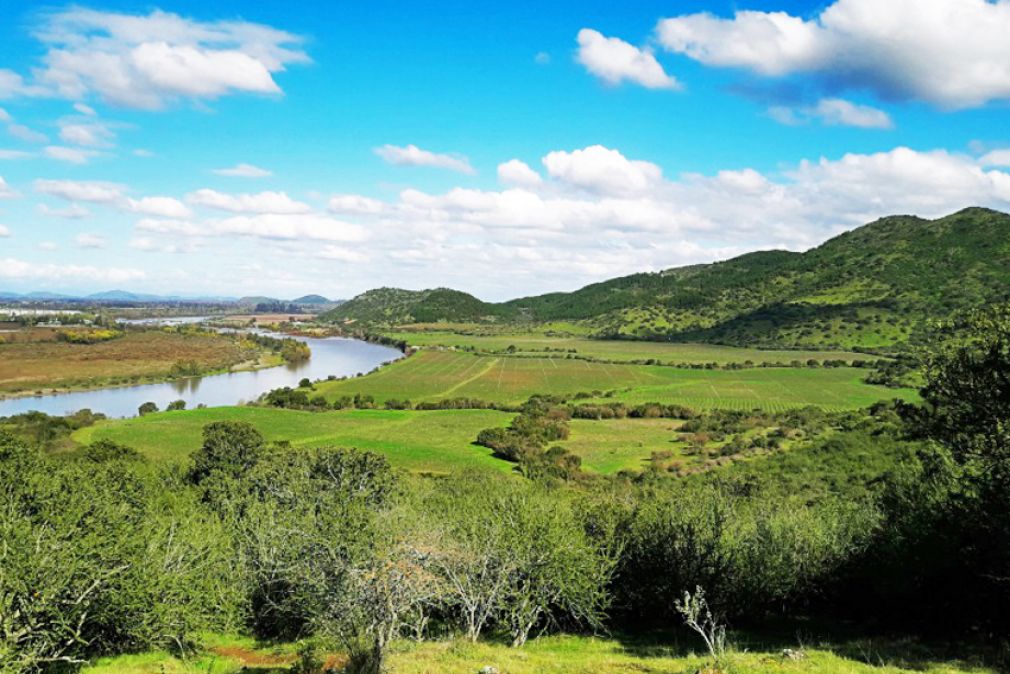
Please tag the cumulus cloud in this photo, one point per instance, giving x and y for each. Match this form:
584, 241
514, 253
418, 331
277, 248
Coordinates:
88, 134
354, 203
14, 154
833, 112
516, 172
22, 132
243, 171
996, 158
71, 155
615, 61
411, 155
164, 207
171, 227
951, 53
12, 268
89, 240
70, 212
263, 202
96, 192
5, 232
148, 61
603, 170
6, 191
299, 227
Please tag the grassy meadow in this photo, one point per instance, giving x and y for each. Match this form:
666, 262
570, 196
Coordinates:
424, 442
437, 375
617, 350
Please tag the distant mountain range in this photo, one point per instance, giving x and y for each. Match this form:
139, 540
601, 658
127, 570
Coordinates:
872, 288
114, 296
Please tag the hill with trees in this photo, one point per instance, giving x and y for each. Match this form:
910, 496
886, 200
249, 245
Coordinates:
872, 288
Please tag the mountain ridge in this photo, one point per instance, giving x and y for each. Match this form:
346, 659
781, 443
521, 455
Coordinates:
872, 287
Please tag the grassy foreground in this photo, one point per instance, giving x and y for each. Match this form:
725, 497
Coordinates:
434, 375
554, 655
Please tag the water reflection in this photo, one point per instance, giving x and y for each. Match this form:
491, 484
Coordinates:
332, 356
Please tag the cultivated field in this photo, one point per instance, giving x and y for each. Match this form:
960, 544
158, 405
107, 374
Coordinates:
429, 442
434, 375
621, 350
35, 361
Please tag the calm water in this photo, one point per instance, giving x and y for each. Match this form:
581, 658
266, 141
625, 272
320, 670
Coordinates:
330, 356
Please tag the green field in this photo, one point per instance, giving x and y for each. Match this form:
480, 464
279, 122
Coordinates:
424, 442
620, 350
613, 445
435, 375
434, 442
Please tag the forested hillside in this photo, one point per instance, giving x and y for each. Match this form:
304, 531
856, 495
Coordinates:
872, 287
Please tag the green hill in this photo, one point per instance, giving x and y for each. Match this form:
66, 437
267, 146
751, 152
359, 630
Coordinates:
394, 306
872, 287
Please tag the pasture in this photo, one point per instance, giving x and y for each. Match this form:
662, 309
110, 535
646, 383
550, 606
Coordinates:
620, 350
423, 442
436, 375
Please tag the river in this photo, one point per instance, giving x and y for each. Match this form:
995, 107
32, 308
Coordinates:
331, 356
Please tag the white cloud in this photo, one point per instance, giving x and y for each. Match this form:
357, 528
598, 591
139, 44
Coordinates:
22, 132
263, 202
78, 190
72, 155
14, 154
85, 109
951, 53
603, 170
11, 268
71, 212
88, 134
5, 232
172, 227
839, 112
164, 207
48, 246
411, 155
6, 191
301, 227
141, 152
354, 203
341, 254
833, 112
243, 171
996, 158
542, 58
89, 240
516, 172
614, 61
5, 116
149, 245
148, 61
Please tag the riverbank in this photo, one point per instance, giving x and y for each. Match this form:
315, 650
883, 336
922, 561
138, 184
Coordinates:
38, 363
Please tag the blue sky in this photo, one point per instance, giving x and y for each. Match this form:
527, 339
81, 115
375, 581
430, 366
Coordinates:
504, 148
